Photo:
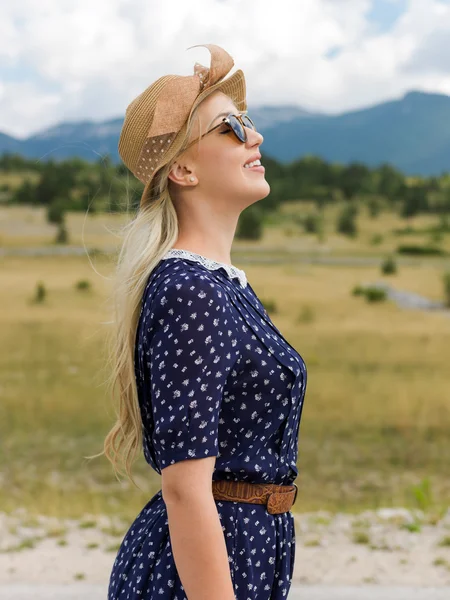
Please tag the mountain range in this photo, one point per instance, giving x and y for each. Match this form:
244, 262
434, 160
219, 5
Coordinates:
411, 133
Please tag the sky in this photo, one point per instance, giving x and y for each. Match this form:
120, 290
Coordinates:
72, 60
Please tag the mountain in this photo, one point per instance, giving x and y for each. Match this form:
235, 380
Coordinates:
86, 139
267, 116
411, 133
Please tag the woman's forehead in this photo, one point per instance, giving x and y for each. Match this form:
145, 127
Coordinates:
216, 107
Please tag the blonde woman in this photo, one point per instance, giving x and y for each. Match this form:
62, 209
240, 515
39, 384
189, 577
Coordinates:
207, 384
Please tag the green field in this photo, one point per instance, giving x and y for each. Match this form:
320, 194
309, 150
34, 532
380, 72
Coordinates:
375, 428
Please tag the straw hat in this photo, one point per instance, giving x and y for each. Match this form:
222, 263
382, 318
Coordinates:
156, 120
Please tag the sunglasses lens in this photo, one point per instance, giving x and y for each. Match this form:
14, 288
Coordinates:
237, 128
248, 122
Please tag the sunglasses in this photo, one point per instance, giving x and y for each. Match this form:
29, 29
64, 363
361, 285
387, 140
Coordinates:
236, 124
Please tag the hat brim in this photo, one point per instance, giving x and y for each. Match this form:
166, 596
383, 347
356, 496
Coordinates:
234, 87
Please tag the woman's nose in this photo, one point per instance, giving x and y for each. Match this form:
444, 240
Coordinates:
254, 137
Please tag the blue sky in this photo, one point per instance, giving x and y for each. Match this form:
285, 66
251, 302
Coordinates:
74, 59
383, 14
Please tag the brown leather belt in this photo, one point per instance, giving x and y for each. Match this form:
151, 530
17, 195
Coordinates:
278, 498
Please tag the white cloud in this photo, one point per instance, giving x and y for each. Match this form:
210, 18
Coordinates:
90, 59
27, 104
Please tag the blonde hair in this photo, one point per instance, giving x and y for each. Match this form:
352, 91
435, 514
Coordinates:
146, 238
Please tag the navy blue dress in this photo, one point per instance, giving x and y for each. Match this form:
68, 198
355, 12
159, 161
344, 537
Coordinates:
215, 377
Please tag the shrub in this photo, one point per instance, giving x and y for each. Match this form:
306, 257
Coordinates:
270, 306
97, 252
445, 541
376, 239
360, 537
389, 266
420, 250
358, 290
446, 280
444, 223
375, 294
40, 293
413, 527
312, 223
371, 292
436, 236
83, 284
407, 230
422, 494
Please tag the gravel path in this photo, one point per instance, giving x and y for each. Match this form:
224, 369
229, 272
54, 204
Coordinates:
409, 300
261, 258
387, 547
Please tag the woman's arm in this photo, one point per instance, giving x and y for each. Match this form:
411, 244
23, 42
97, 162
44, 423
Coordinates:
197, 538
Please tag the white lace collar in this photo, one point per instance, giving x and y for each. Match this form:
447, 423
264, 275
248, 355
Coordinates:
209, 263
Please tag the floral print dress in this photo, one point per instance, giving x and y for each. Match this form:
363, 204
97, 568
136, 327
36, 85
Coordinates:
215, 377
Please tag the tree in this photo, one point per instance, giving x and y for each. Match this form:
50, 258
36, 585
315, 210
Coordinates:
56, 211
415, 201
346, 222
25, 193
374, 206
390, 182
62, 235
250, 224
355, 178
56, 181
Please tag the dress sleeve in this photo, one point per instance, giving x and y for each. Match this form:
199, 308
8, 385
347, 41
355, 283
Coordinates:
192, 345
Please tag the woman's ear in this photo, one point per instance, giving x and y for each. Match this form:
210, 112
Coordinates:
181, 175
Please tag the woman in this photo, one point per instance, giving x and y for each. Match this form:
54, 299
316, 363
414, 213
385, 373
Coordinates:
207, 383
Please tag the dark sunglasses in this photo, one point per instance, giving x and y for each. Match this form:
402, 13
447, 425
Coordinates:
235, 123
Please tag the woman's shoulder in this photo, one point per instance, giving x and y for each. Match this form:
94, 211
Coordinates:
176, 283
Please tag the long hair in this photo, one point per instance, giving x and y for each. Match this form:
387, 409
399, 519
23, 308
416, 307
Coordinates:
146, 238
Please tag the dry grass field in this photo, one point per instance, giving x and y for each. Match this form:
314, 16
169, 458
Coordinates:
26, 226
376, 422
